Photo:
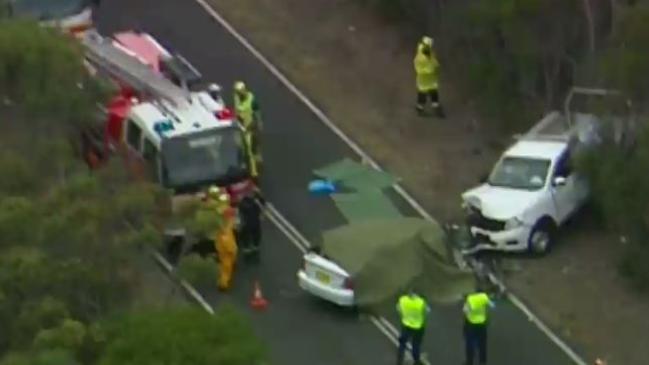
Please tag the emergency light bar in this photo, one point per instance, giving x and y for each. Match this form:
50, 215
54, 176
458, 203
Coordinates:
163, 127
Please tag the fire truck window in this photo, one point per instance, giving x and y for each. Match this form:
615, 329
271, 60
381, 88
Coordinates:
133, 135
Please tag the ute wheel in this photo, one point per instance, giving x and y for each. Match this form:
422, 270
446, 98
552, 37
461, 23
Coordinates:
542, 237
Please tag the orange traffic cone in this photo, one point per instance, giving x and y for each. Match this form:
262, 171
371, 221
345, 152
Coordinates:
258, 301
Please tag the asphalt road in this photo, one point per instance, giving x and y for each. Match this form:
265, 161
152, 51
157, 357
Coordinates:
298, 328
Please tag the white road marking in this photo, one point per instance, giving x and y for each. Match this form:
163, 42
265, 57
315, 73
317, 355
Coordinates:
359, 151
270, 213
184, 284
302, 244
299, 237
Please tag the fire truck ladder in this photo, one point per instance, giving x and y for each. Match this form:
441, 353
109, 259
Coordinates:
103, 54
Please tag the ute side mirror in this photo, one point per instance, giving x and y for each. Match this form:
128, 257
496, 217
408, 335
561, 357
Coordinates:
484, 178
559, 181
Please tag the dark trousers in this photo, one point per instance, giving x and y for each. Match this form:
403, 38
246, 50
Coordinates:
414, 336
422, 97
433, 96
475, 339
250, 237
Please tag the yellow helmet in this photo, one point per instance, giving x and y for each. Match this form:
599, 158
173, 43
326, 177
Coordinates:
214, 192
427, 41
239, 86
224, 197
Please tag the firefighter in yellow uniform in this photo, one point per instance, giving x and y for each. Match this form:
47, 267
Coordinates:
225, 242
247, 111
427, 77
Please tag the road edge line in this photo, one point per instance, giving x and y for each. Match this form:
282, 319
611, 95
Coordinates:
359, 151
189, 289
292, 234
574, 356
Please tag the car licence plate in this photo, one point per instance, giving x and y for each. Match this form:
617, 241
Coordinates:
322, 277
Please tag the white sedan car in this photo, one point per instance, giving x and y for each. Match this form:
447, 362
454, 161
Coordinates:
325, 279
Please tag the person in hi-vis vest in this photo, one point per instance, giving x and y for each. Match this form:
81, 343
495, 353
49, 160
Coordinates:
476, 313
427, 77
249, 116
413, 311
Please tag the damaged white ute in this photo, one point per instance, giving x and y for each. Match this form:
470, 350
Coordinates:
531, 191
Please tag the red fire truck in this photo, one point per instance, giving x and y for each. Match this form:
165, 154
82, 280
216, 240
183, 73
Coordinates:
185, 139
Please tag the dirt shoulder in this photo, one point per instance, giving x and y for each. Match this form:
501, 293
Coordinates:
359, 70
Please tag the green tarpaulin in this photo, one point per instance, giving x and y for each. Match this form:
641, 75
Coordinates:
366, 201
370, 179
383, 251
338, 170
365, 205
385, 256
353, 175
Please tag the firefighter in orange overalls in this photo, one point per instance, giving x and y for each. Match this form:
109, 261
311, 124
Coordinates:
225, 242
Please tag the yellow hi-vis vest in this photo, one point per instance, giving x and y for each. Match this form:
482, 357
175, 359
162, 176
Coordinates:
413, 311
477, 304
244, 108
426, 69
250, 153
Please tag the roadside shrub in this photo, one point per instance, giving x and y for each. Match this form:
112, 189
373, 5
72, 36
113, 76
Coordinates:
512, 58
23, 178
634, 266
200, 272
184, 335
69, 335
618, 181
627, 55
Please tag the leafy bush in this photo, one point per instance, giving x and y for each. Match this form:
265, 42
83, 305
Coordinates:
182, 336
47, 357
68, 335
67, 237
198, 271
617, 171
618, 181
627, 56
511, 57
41, 72
634, 266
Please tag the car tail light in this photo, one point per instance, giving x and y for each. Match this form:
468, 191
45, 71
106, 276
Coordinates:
348, 284
224, 114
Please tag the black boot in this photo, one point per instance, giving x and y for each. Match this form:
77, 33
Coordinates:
440, 112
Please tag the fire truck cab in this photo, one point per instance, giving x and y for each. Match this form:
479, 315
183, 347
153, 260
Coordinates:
185, 149
185, 139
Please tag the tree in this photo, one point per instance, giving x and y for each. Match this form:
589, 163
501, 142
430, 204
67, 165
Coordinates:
512, 56
182, 336
627, 57
42, 73
47, 357
72, 241
617, 170
199, 271
69, 240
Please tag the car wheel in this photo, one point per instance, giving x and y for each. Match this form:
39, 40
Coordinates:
541, 238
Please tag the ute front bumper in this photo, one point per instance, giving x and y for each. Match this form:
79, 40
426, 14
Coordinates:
510, 240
